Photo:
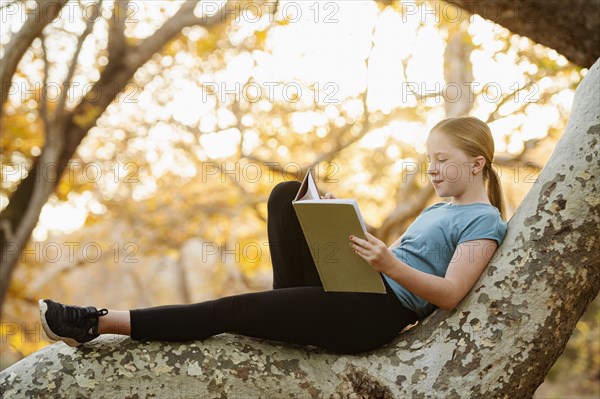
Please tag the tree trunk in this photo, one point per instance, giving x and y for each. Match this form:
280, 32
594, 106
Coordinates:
571, 28
499, 342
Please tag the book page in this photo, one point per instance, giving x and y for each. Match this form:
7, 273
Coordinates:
308, 189
312, 192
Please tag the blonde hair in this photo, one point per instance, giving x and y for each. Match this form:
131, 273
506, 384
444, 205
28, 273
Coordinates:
474, 137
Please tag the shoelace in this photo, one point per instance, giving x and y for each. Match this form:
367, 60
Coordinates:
93, 324
97, 313
73, 313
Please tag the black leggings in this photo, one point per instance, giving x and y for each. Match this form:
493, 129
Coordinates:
296, 311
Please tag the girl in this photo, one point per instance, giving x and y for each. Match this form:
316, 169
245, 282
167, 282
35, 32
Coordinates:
433, 265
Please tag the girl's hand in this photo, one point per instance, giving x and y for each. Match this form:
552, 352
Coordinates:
328, 196
374, 251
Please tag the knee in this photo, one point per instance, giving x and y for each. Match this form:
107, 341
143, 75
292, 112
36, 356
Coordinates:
284, 191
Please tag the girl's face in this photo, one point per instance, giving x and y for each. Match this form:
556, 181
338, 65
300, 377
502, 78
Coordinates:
450, 168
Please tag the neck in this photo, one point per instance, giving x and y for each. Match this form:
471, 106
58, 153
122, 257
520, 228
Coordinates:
475, 195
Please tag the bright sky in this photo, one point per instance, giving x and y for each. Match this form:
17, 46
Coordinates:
325, 43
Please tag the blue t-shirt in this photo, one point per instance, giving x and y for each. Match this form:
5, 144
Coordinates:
430, 241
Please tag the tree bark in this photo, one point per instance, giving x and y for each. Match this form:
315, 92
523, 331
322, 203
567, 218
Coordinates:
571, 28
499, 342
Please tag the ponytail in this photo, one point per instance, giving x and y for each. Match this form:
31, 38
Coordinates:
494, 188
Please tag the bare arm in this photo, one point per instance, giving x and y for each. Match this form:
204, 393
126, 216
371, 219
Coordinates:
469, 260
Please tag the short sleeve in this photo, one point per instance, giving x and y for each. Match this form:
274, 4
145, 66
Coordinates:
487, 225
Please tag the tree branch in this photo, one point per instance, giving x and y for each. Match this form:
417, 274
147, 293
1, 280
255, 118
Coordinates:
45, 12
44, 99
551, 23
71, 72
116, 32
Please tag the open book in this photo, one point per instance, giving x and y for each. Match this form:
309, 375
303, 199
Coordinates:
327, 224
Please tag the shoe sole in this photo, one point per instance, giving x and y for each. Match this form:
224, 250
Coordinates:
69, 341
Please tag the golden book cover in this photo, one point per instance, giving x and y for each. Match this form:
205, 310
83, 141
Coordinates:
327, 224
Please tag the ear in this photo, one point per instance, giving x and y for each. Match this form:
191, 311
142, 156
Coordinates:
478, 164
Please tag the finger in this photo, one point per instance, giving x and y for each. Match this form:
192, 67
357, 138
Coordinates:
374, 239
371, 237
358, 250
363, 254
361, 242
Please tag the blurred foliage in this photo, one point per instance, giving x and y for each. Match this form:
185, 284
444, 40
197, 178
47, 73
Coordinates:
152, 179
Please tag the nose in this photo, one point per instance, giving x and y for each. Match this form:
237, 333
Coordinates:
432, 169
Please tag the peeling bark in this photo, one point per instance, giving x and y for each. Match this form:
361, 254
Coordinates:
499, 342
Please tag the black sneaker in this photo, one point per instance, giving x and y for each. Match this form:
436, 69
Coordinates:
73, 325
